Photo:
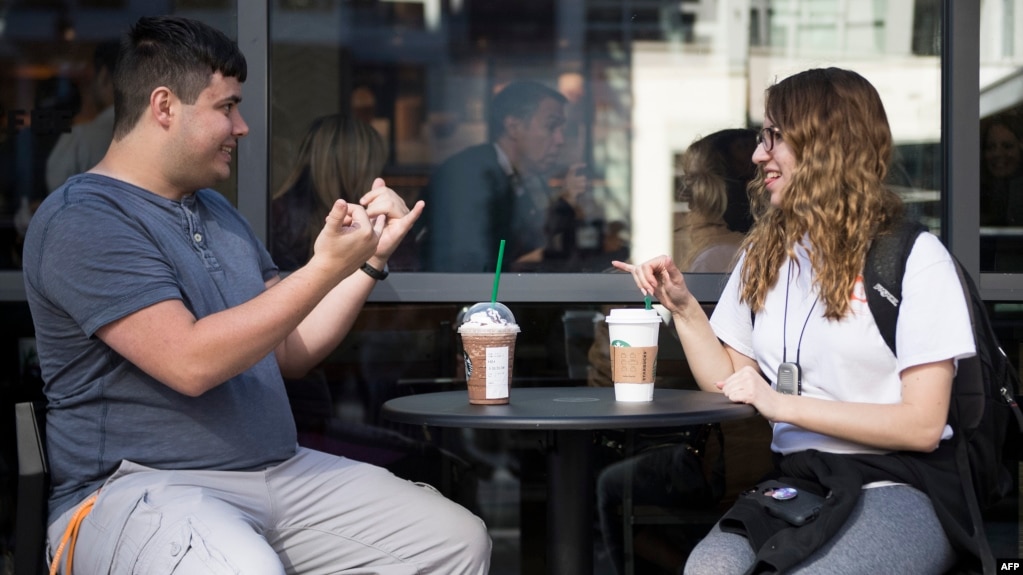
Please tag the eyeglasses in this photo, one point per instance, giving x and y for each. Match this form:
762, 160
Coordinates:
766, 137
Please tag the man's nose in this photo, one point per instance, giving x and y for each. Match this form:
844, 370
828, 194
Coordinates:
240, 127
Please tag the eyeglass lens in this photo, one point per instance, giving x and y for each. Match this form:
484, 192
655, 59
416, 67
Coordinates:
766, 138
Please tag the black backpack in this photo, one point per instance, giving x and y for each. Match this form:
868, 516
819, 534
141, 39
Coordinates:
983, 412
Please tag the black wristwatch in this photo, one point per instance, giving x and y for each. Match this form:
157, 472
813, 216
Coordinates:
375, 273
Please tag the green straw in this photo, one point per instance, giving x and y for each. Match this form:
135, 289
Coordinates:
647, 302
497, 275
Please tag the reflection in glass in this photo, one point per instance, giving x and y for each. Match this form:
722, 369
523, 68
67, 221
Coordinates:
1001, 168
639, 85
715, 171
339, 158
502, 190
1001, 138
55, 112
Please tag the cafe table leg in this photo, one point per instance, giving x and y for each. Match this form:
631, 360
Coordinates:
570, 504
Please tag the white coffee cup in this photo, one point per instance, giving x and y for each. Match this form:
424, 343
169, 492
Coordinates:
633, 336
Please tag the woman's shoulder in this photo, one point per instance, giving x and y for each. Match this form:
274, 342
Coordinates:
929, 262
928, 249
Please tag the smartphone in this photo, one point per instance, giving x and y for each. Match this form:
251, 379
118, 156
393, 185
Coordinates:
788, 379
796, 506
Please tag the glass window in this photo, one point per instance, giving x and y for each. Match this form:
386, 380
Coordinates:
1001, 137
56, 113
590, 166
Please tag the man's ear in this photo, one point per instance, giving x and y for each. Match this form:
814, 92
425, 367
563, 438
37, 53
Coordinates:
161, 102
513, 126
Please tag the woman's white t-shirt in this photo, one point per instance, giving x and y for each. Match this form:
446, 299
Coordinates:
848, 360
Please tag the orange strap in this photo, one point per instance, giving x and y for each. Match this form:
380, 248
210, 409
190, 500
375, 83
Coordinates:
70, 537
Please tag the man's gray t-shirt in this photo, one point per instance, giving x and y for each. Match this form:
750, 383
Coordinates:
99, 249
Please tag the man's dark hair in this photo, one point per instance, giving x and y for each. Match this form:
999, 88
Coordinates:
171, 51
518, 100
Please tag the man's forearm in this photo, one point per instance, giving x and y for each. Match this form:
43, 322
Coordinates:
323, 329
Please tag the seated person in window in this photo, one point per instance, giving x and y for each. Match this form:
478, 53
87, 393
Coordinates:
703, 242
84, 146
339, 158
499, 190
1001, 171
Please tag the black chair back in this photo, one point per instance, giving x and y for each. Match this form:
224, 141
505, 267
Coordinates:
33, 489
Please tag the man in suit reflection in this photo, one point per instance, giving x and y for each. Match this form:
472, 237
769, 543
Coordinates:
498, 190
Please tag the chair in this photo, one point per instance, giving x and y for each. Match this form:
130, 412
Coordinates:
33, 489
698, 521
746, 460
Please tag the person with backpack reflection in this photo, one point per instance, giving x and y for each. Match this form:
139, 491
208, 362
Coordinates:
864, 429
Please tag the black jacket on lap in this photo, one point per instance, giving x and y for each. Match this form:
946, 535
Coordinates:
780, 546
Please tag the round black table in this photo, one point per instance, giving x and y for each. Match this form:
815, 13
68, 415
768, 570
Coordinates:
570, 412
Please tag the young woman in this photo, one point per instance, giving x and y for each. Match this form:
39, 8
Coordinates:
796, 299
339, 158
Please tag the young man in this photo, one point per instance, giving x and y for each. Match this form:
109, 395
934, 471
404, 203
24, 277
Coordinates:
164, 330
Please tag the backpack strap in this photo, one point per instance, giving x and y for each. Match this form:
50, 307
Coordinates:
882, 275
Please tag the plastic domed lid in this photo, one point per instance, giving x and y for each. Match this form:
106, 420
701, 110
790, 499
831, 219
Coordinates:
486, 314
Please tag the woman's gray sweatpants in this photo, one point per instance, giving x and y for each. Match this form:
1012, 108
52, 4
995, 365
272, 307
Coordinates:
892, 529
313, 514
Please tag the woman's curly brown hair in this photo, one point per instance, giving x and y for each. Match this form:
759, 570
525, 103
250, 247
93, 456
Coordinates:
835, 124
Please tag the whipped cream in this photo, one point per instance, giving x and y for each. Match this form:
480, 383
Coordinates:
488, 320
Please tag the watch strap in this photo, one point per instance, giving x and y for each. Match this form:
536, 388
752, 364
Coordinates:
374, 273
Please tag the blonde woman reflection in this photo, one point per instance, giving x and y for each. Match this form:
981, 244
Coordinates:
712, 167
339, 159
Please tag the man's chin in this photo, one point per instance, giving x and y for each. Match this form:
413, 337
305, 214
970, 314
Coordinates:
210, 182
222, 175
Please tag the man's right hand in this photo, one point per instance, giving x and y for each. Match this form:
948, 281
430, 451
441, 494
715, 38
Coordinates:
384, 202
575, 183
347, 240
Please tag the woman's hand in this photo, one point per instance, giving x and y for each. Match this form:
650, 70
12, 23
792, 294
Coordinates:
748, 386
660, 278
